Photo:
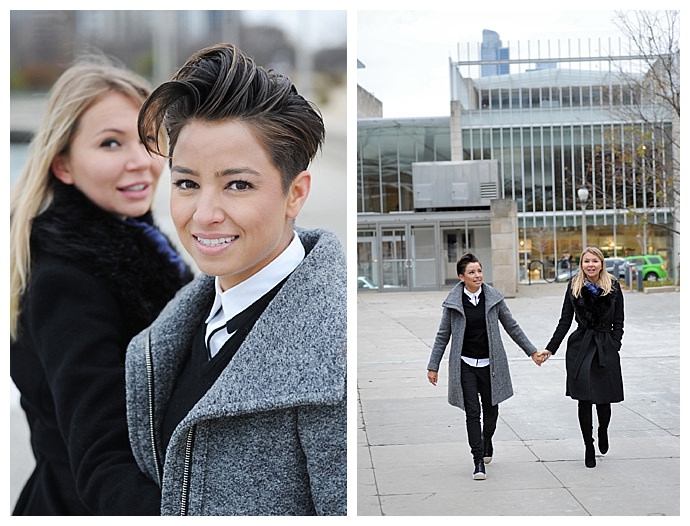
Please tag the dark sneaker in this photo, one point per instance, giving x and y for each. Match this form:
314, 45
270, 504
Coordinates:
479, 471
488, 451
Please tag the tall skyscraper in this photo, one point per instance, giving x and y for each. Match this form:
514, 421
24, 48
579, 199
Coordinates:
491, 50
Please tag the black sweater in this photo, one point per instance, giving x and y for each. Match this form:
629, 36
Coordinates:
476, 341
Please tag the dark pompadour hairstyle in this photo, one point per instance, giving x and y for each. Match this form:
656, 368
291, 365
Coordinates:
222, 83
465, 260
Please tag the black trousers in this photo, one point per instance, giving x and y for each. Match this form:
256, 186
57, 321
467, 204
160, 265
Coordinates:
476, 393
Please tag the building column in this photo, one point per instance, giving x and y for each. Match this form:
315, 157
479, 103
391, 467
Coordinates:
456, 153
504, 246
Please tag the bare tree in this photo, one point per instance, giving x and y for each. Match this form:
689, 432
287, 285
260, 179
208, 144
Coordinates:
655, 38
541, 237
653, 79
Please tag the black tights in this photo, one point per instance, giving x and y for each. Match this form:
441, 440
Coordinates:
584, 415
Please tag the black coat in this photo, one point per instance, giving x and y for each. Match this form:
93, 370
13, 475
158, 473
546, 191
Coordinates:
95, 282
592, 360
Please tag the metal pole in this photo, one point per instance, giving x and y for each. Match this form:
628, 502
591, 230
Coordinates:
615, 235
164, 48
583, 195
584, 226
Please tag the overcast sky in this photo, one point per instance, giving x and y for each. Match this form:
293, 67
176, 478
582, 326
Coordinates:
318, 29
406, 53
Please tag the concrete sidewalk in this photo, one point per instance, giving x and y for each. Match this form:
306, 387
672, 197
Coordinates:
412, 452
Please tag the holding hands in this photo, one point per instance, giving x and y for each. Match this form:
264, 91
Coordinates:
540, 357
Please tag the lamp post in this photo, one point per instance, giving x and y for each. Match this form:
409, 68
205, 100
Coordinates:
583, 196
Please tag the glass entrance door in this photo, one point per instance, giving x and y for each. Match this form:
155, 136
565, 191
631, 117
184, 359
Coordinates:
367, 260
408, 256
424, 260
395, 264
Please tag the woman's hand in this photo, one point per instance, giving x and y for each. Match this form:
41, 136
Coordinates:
539, 357
432, 376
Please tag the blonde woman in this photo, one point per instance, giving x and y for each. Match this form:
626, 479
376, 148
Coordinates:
88, 270
593, 368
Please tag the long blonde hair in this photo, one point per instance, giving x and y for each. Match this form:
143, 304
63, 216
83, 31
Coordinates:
79, 87
604, 281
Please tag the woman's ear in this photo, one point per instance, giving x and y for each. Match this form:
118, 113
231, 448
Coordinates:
61, 170
298, 193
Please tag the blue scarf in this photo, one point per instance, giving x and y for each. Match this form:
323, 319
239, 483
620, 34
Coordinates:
593, 288
161, 242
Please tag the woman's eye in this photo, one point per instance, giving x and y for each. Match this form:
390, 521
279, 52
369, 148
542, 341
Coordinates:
185, 184
110, 143
240, 185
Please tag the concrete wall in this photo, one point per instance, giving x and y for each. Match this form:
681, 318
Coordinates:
368, 106
456, 153
504, 246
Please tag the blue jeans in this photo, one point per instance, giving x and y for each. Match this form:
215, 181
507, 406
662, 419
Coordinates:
476, 393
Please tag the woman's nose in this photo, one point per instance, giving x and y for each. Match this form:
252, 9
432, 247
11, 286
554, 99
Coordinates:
208, 207
141, 159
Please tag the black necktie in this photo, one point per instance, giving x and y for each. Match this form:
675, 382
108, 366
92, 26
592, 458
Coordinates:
239, 325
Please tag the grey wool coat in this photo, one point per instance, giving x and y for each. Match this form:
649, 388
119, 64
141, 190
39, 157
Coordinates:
269, 437
452, 328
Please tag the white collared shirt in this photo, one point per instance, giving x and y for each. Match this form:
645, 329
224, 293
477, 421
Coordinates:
476, 362
474, 296
231, 302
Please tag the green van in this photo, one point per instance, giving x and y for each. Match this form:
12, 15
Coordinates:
653, 266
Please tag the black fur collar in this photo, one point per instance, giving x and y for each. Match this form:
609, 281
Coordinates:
78, 231
595, 311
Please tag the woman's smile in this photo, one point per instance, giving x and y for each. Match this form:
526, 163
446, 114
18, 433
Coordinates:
215, 241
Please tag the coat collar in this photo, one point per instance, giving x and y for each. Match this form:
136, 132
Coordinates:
295, 353
454, 298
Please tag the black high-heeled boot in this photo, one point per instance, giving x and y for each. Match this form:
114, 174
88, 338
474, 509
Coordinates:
604, 416
584, 416
590, 459
603, 440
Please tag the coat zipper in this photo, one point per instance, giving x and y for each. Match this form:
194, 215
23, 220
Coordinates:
149, 386
184, 504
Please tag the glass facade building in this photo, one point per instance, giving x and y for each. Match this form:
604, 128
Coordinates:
555, 124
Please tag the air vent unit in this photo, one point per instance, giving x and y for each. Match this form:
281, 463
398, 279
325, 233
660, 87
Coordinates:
488, 191
454, 185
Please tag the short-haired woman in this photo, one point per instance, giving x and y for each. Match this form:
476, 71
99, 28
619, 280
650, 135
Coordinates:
478, 372
237, 392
